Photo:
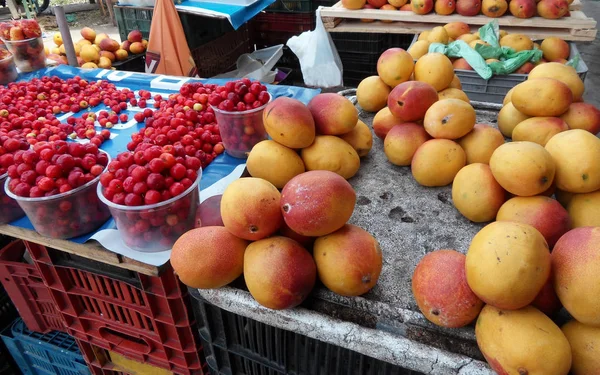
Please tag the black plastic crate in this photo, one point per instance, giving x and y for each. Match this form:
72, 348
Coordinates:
291, 6
236, 345
8, 313
359, 42
398, 41
353, 78
134, 63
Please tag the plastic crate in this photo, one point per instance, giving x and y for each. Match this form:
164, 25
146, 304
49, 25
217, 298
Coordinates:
134, 63
359, 43
8, 313
234, 344
145, 318
288, 23
133, 18
292, 6
220, 55
44, 354
24, 285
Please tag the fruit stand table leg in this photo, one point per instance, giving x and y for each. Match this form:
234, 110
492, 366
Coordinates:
12, 6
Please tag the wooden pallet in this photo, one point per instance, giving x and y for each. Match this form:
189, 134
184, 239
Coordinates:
577, 27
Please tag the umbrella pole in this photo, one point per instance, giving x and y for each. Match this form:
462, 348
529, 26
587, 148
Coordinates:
63, 26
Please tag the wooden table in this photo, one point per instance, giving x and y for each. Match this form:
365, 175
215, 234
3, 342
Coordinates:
92, 250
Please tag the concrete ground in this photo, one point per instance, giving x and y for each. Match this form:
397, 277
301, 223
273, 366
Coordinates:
590, 53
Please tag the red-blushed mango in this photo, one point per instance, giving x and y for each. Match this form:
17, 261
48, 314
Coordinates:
349, 260
421, 6
575, 264
372, 94
333, 114
585, 347
439, 285
449, 119
542, 97
522, 8
289, 122
279, 273
461, 64
435, 69
274, 162
209, 212
456, 29
402, 142
525, 68
480, 143
564, 73
444, 7
552, 9
383, 121
409, 101
317, 203
437, 162
518, 42
305, 241
360, 138
583, 116
547, 301
576, 154
208, 257
584, 209
333, 154
508, 119
468, 8
494, 8
522, 342
523, 168
539, 129
555, 48
476, 194
452, 93
395, 66
88, 33
543, 213
508, 263
250, 208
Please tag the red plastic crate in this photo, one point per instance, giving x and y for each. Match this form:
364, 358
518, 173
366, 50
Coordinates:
278, 22
26, 289
145, 318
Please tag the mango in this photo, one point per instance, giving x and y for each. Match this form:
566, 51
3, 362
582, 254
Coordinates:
349, 260
444, 7
452, 93
583, 116
279, 273
383, 121
575, 262
539, 129
494, 8
552, 9
402, 142
354, 4
508, 119
576, 154
523, 168
435, 69
449, 119
480, 143
543, 213
274, 162
395, 66
507, 265
250, 208
564, 73
333, 114
421, 6
468, 8
507, 97
585, 209
305, 241
547, 301
518, 42
456, 29
542, 97
437, 162
289, 122
372, 94
585, 347
523, 341
555, 48
418, 49
409, 101
476, 194
455, 84
467, 38
360, 138
317, 203
108, 44
208, 213
88, 34
522, 8
331, 154
441, 291
438, 34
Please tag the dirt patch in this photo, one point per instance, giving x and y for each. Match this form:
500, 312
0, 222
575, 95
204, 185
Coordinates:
88, 18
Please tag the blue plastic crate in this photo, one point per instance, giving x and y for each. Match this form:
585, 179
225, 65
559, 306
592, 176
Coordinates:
54, 353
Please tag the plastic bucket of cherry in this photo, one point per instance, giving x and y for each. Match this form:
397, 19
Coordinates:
155, 227
9, 208
240, 131
29, 54
8, 69
66, 215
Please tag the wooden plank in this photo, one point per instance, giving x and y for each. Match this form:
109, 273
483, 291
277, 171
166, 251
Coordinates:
575, 5
577, 20
93, 251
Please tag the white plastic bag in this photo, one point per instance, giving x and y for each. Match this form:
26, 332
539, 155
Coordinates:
319, 60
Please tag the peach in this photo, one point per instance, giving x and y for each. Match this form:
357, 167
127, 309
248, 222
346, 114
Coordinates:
437, 162
353, 4
409, 101
468, 7
421, 6
585, 347
552, 9
494, 8
480, 143
585, 209
418, 49
547, 301
135, 36
525, 68
476, 194
444, 7
518, 42
274, 162
539, 129
88, 34
508, 119
395, 66
564, 73
435, 69
360, 138
121, 55
583, 116
208, 257
349, 260
402, 142
449, 119
451, 93
522, 8
456, 29
372, 94
289, 122
440, 288
333, 114
543, 213
383, 121
455, 84
109, 55
317, 203
555, 48
250, 208
461, 64
575, 262
542, 97
330, 153
209, 212
279, 273
137, 48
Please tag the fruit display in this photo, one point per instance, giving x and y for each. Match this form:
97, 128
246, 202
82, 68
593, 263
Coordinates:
8, 69
311, 211
551, 9
23, 39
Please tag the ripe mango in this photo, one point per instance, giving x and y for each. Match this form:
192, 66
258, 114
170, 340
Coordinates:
289, 122
476, 194
333, 154
585, 347
274, 162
